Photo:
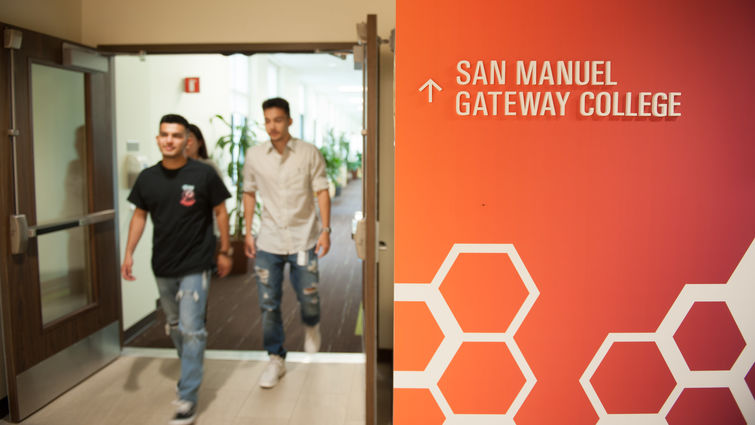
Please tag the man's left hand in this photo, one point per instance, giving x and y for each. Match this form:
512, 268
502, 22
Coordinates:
323, 244
224, 265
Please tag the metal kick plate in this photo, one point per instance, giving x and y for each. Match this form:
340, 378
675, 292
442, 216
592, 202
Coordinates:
52, 377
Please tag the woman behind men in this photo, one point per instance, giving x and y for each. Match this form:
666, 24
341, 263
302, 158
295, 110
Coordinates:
197, 149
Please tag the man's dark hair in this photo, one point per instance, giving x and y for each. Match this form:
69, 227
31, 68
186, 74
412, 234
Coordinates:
174, 119
277, 102
193, 129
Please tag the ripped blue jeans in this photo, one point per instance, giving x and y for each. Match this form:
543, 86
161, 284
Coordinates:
268, 271
183, 299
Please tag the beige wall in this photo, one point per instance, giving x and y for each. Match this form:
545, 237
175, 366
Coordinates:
60, 18
96, 22
229, 21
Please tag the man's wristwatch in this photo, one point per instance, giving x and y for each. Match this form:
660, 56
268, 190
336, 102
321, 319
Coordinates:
227, 253
326, 229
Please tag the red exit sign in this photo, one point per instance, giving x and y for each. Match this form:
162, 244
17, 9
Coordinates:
191, 85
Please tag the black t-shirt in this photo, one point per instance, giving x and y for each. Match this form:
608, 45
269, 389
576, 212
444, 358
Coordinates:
180, 203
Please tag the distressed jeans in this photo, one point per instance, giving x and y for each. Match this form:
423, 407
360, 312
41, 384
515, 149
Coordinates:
183, 299
268, 271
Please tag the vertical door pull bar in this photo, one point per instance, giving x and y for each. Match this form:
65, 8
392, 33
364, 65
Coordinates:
12, 40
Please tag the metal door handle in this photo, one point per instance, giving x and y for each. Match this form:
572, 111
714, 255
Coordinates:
21, 232
360, 238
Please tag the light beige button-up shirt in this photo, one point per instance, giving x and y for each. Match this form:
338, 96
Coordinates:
287, 184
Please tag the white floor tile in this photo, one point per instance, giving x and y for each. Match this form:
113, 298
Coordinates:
139, 390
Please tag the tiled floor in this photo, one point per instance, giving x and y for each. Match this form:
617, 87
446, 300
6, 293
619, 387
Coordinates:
138, 390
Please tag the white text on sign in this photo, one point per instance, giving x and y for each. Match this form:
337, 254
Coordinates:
529, 74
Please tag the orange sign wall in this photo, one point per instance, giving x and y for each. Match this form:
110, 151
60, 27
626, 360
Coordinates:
575, 212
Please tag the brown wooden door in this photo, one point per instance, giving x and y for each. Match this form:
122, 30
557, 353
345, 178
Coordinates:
370, 193
60, 283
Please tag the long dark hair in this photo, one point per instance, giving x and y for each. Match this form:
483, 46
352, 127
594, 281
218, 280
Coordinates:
202, 152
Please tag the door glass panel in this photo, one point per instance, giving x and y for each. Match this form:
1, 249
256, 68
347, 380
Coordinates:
60, 185
59, 118
64, 272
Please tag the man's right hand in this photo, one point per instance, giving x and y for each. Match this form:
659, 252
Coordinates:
128, 262
249, 248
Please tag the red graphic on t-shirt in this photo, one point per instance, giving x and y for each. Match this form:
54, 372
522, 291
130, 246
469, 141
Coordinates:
187, 197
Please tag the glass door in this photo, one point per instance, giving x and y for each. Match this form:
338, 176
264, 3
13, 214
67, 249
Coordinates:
60, 159
60, 286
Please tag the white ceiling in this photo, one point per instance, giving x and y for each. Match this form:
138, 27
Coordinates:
326, 73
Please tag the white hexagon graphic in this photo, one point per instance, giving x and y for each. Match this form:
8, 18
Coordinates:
738, 294
454, 336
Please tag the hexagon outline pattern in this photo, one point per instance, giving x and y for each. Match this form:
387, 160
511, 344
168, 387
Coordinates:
658, 386
737, 293
454, 335
689, 339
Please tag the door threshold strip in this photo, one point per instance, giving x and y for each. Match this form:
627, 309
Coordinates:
292, 356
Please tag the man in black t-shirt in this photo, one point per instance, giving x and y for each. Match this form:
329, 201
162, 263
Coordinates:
181, 196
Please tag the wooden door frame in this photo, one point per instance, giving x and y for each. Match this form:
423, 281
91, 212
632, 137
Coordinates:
226, 48
370, 213
369, 268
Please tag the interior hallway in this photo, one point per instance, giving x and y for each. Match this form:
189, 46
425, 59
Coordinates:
323, 388
138, 390
233, 318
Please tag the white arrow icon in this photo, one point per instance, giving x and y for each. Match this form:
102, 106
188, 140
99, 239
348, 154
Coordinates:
430, 84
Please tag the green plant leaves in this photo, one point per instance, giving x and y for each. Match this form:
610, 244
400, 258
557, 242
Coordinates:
235, 144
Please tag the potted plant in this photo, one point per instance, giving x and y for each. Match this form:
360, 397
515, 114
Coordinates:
355, 165
232, 147
335, 151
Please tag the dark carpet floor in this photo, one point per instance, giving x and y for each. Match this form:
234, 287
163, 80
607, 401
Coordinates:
233, 317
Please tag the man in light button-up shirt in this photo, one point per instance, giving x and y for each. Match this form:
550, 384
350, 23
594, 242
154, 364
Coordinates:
288, 174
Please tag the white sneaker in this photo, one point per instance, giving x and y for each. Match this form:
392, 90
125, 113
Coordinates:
274, 370
312, 338
186, 413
